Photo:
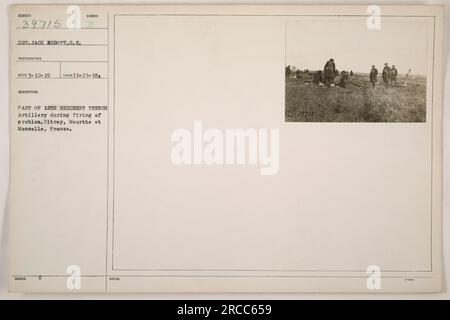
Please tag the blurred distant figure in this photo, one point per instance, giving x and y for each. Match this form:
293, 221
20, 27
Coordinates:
351, 73
318, 78
406, 78
393, 76
329, 72
386, 75
373, 76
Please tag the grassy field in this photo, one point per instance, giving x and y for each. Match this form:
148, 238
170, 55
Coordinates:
359, 102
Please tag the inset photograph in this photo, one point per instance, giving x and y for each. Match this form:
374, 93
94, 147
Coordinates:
344, 71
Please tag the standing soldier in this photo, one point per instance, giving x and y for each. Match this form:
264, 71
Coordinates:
386, 75
329, 72
373, 76
393, 76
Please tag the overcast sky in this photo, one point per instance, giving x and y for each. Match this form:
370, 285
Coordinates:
309, 44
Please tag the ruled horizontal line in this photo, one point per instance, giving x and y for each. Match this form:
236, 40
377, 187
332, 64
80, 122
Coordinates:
65, 28
18, 78
219, 276
63, 45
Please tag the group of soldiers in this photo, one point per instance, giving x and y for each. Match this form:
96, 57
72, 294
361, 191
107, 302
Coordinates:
330, 76
389, 76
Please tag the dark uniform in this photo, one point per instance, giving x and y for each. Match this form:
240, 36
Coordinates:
344, 79
394, 75
373, 76
317, 78
386, 75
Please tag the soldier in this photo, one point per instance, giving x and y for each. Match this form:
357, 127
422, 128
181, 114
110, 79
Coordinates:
373, 76
329, 72
386, 75
393, 76
344, 79
287, 72
351, 73
318, 78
